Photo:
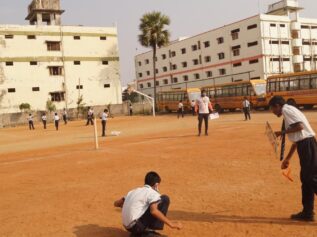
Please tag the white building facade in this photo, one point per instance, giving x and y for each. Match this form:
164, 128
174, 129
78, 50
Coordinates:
47, 61
254, 48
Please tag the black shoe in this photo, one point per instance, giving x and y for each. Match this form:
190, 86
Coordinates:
206, 134
302, 216
198, 135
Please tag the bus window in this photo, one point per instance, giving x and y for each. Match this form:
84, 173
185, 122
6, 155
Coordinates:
314, 82
304, 84
260, 89
272, 86
218, 92
239, 91
232, 91
194, 95
284, 85
294, 84
225, 91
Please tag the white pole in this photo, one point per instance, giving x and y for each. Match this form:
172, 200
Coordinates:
96, 134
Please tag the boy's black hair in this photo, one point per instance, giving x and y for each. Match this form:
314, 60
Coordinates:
105, 110
151, 178
277, 100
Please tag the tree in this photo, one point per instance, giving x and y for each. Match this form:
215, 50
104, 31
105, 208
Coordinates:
50, 106
154, 35
80, 105
24, 107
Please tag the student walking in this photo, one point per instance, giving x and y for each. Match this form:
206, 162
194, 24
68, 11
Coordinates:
180, 111
56, 121
90, 116
246, 108
144, 209
104, 118
301, 134
65, 116
44, 120
31, 123
203, 108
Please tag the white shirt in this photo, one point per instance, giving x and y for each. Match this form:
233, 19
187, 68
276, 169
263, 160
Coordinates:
104, 116
180, 105
291, 116
193, 103
136, 203
64, 112
30, 118
246, 104
44, 117
56, 117
203, 104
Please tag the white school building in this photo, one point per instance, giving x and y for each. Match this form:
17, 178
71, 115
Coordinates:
48, 61
279, 41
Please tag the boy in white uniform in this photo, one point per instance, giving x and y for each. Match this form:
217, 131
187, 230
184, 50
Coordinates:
31, 123
56, 120
44, 119
104, 118
299, 131
203, 108
180, 111
144, 209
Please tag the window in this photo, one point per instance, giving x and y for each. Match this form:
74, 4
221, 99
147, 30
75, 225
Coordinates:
253, 61
105, 62
251, 44
76, 62
306, 42
148, 73
274, 42
220, 40
164, 69
250, 27
56, 71
275, 59
222, 71
57, 96
286, 59
185, 78
236, 50
163, 56
235, 34
157, 83
194, 47
76, 37
307, 59
103, 38
195, 61
35, 88
304, 27
140, 64
184, 64
106, 85
175, 80
140, 74
165, 81
282, 25
8, 36
207, 59
207, 44
149, 84
285, 42
9, 63
237, 64
141, 86
79, 87
53, 45
31, 37
183, 50
174, 67
221, 56
196, 75
156, 71
147, 61
314, 27
209, 74
11, 90
172, 54
255, 78
33, 63
272, 25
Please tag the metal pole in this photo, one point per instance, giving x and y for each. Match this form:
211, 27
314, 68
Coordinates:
96, 134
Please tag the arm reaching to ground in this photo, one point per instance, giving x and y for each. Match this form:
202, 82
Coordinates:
285, 162
119, 203
159, 215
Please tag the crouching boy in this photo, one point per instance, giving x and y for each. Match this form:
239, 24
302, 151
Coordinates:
144, 209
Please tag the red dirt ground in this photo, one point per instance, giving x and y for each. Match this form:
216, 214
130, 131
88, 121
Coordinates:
227, 184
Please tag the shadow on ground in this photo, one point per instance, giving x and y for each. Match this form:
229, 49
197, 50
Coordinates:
214, 217
99, 231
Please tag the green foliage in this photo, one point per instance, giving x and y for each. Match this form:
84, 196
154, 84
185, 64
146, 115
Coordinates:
80, 106
50, 106
24, 107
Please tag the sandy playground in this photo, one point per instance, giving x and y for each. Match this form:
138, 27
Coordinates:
227, 184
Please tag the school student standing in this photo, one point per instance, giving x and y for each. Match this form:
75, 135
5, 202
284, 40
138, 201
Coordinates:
300, 133
104, 117
44, 120
65, 116
246, 108
203, 107
192, 104
90, 116
31, 123
180, 111
56, 121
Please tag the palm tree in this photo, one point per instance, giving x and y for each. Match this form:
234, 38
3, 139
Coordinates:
154, 35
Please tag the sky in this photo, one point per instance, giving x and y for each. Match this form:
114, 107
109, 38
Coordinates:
188, 17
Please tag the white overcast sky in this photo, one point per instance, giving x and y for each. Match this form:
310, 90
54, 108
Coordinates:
188, 17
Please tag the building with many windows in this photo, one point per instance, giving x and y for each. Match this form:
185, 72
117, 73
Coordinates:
254, 48
47, 61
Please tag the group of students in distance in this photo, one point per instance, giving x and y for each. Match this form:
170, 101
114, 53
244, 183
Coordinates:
44, 120
144, 209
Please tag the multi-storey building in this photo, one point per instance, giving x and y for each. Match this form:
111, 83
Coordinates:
254, 48
47, 61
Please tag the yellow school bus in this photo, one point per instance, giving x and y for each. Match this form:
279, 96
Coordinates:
168, 100
230, 96
299, 89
